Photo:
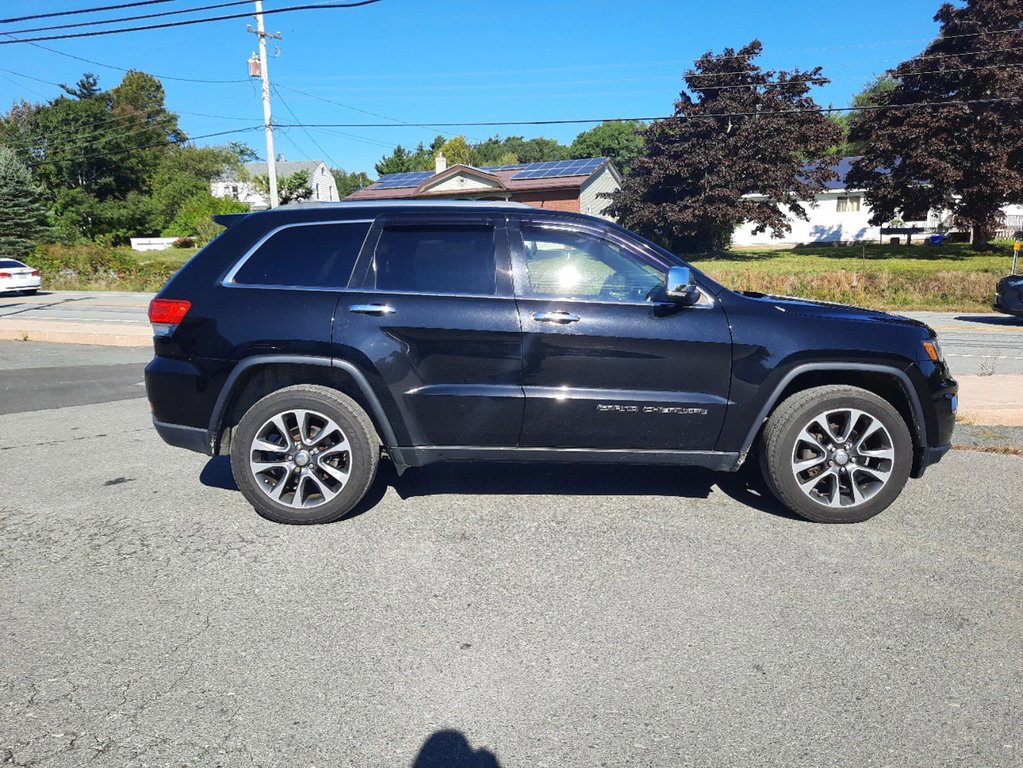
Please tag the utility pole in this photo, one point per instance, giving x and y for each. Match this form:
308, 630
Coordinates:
271, 158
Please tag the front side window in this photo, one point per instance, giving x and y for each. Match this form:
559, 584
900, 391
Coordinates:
308, 256
570, 264
448, 259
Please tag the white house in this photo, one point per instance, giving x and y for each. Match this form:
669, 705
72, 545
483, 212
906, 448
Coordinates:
321, 182
841, 215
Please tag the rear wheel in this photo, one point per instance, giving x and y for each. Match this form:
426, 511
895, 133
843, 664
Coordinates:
836, 454
304, 454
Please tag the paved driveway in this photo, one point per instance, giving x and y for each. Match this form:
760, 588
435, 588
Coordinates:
529, 615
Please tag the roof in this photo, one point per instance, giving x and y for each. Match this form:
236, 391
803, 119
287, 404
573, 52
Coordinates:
284, 168
842, 168
522, 177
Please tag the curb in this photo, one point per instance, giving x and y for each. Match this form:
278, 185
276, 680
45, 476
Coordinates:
72, 333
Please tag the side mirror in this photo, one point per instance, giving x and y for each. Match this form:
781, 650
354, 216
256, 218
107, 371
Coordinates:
681, 285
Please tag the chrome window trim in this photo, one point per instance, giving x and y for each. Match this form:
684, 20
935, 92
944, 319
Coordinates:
229, 281
384, 292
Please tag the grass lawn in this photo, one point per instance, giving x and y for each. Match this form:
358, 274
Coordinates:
951, 277
948, 277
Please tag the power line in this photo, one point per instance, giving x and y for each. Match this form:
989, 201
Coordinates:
81, 10
333, 162
822, 77
714, 116
177, 12
169, 24
876, 43
356, 109
168, 143
128, 69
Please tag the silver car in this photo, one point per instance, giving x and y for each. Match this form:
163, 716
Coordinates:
16, 276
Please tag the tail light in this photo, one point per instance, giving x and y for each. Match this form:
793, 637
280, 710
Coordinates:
166, 314
6, 274
35, 273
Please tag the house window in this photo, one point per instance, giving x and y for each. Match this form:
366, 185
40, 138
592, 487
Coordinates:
849, 204
317, 192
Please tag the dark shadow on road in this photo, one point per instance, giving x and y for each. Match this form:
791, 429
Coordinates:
991, 319
450, 749
746, 487
509, 479
217, 474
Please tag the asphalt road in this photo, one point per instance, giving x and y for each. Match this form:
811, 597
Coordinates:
480, 615
36, 376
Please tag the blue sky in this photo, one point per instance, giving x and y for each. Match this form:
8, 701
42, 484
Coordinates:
463, 60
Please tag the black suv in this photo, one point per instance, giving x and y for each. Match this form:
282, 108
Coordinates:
309, 340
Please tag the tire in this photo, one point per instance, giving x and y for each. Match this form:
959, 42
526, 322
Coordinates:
322, 468
846, 474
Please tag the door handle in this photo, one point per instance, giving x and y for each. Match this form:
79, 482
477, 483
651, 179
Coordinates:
559, 316
372, 309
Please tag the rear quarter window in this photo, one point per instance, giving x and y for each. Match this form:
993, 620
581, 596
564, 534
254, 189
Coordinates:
306, 256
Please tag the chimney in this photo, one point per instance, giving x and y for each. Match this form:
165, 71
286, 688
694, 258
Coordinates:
440, 162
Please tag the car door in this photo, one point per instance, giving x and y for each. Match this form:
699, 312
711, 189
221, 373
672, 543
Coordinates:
605, 364
435, 320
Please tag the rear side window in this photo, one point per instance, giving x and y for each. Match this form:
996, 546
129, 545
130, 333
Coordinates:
436, 259
308, 256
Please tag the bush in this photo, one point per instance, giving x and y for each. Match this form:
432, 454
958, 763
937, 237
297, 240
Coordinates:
184, 242
93, 267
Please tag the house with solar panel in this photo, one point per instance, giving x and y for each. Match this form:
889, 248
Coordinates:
239, 187
563, 185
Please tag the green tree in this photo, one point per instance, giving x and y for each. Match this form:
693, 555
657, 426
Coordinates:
183, 171
402, 160
875, 92
457, 150
347, 183
195, 217
22, 214
290, 189
620, 141
742, 143
947, 136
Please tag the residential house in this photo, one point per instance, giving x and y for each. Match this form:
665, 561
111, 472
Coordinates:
321, 182
565, 185
841, 214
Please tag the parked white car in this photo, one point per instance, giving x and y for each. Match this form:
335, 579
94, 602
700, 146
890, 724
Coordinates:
16, 276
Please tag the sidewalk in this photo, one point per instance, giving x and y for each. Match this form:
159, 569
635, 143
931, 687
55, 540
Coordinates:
64, 332
996, 399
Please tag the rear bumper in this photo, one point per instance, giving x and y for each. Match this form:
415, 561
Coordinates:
189, 438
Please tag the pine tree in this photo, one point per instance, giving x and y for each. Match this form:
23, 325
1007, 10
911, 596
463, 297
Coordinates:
22, 214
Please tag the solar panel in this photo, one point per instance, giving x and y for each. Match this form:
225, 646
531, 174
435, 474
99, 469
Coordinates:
557, 168
397, 180
492, 168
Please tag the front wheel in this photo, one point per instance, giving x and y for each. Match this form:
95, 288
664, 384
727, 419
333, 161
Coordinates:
836, 454
304, 454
